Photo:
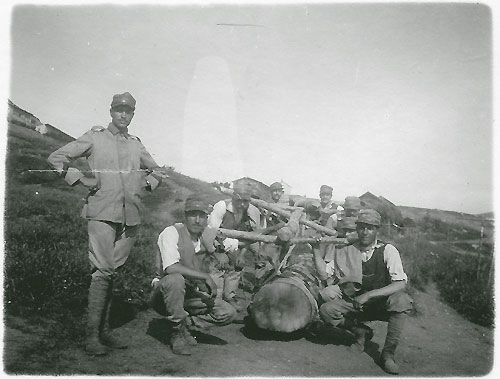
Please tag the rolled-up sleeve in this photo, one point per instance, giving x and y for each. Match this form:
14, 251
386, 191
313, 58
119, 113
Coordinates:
168, 245
217, 214
394, 264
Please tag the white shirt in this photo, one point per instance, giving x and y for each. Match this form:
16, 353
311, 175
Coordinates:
220, 208
169, 249
392, 260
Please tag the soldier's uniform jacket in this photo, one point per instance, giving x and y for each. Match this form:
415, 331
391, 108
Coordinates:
118, 161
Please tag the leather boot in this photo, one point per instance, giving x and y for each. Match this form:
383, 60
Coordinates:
394, 331
363, 334
107, 338
178, 340
96, 304
190, 340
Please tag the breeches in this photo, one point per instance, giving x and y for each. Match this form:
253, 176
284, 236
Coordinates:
109, 246
333, 311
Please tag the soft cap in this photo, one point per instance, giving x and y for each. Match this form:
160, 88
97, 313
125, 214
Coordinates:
123, 99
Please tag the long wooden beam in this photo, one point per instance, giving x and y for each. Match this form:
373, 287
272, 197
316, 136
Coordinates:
280, 211
257, 237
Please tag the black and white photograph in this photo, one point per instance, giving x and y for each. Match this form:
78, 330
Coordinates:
249, 189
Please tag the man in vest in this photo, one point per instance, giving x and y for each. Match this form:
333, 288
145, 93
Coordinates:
122, 172
382, 295
184, 287
236, 214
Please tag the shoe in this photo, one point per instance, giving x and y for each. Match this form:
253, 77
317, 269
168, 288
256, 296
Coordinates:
190, 340
113, 342
389, 365
178, 341
363, 334
95, 348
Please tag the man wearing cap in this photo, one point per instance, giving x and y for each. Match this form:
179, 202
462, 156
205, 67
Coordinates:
184, 286
122, 171
350, 208
272, 218
235, 214
328, 208
382, 295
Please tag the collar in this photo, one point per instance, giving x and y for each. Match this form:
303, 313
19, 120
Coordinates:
114, 130
376, 244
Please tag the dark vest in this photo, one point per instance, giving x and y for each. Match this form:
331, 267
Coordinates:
186, 248
375, 273
229, 222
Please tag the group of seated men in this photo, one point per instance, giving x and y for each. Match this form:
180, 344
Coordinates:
199, 273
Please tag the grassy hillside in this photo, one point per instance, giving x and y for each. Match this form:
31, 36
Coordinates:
46, 272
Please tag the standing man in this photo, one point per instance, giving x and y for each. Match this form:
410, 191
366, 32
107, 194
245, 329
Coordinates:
327, 207
118, 161
382, 295
272, 219
184, 286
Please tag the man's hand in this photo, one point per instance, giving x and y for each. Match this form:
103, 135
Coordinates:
160, 172
360, 300
211, 286
88, 182
230, 245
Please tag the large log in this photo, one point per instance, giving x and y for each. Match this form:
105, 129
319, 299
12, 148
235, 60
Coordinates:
288, 301
257, 237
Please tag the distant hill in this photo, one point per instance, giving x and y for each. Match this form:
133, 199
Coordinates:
28, 149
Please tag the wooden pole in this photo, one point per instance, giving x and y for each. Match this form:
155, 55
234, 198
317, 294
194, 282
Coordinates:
257, 237
280, 211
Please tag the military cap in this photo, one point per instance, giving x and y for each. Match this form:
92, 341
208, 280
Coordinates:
348, 223
352, 202
242, 194
276, 186
195, 202
369, 216
123, 99
325, 189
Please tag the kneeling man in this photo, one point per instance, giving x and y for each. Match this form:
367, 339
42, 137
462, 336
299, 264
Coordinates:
382, 294
185, 287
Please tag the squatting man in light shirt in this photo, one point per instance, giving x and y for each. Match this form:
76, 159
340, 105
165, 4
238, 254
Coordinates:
382, 291
184, 287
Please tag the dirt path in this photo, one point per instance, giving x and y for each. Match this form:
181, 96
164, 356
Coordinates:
437, 342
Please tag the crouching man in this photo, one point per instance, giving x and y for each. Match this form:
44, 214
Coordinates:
185, 288
382, 295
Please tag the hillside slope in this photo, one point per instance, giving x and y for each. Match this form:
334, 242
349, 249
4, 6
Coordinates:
45, 293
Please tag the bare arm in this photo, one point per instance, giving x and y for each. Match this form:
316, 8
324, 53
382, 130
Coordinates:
379, 292
320, 263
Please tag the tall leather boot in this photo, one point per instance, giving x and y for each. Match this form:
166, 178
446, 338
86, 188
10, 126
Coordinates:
178, 341
106, 337
96, 305
394, 331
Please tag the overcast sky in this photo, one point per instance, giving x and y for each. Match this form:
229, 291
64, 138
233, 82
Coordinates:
394, 98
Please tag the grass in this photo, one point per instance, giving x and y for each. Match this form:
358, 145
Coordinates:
46, 270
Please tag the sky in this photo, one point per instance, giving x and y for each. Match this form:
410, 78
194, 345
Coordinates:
391, 98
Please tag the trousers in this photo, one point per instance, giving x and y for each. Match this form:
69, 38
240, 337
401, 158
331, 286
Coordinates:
109, 246
176, 298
